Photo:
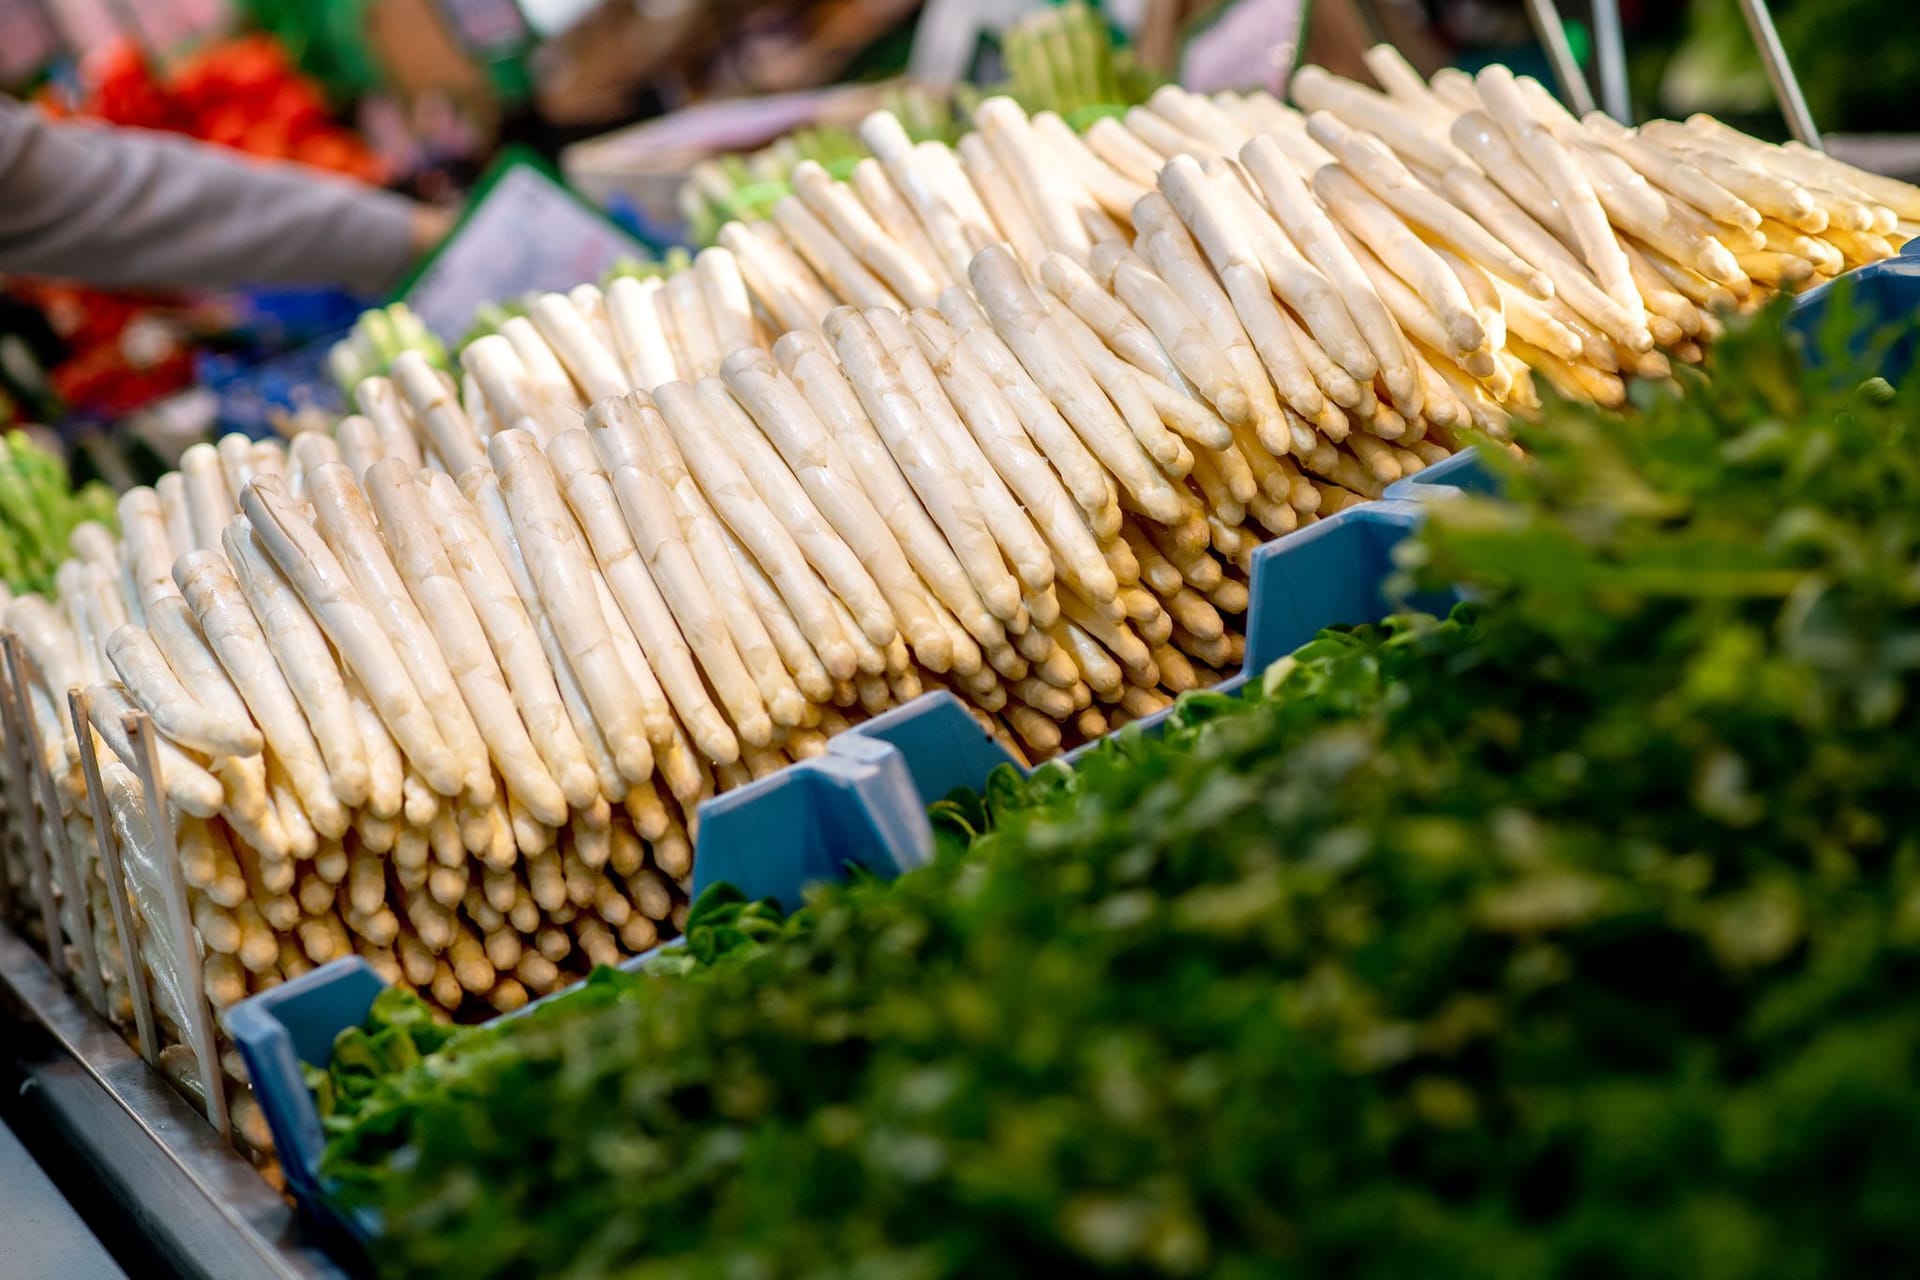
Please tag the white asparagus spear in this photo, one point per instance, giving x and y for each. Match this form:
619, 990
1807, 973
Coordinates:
1551, 163
346, 524
1300, 216
1670, 174
1130, 157
1013, 220
209, 504
896, 417
503, 377
1455, 88
1127, 388
152, 684
1902, 198
1401, 81
1299, 367
551, 391
392, 421
310, 565
149, 550
590, 495
1574, 284
1118, 327
997, 430
841, 210
706, 452
236, 458
1019, 319
810, 364
235, 636
1092, 489
641, 345
421, 560
188, 785
437, 409
1405, 254
177, 634
516, 644
1112, 190
891, 211
593, 367
884, 136
824, 546
1165, 243
592, 306
665, 507
1012, 528
689, 325
943, 173
835, 262
1381, 172
482, 489
1773, 194
1162, 136
784, 285
785, 417
360, 447
562, 573
172, 491
663, 731
1490, 148
1045, 190
1178, 329
685, 595
1400, 128
724, 291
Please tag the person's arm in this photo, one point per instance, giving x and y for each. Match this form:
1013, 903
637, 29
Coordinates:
125, 207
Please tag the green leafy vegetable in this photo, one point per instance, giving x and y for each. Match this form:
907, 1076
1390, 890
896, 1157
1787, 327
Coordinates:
39, 508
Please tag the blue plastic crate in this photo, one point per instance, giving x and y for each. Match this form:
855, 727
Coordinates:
1885, 297
863, 803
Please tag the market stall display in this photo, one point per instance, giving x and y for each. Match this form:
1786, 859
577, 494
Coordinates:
1373, 967
446, 688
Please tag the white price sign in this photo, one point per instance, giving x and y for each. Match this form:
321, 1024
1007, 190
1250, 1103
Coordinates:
528, 233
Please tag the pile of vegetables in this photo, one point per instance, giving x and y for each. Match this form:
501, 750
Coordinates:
1062, 59
379, 335
1572, 935
1066, 59
743, 187
446, 688
244, 93
39, 508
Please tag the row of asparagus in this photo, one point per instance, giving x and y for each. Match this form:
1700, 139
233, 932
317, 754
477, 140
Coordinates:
446, 687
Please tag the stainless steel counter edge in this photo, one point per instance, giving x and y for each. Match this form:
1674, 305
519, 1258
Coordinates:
203, 1210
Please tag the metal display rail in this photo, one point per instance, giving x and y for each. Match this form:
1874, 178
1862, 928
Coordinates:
138, 1160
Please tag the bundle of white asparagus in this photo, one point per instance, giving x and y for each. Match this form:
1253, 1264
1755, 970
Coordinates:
446, 688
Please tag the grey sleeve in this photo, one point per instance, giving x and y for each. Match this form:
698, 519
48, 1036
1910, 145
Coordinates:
127, 207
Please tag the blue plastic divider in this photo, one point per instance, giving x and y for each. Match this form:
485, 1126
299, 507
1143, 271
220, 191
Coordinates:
863, 803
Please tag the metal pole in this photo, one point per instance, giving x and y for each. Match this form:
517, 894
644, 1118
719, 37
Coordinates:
1566, 69
1610, 53
1786, 86
112, 871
